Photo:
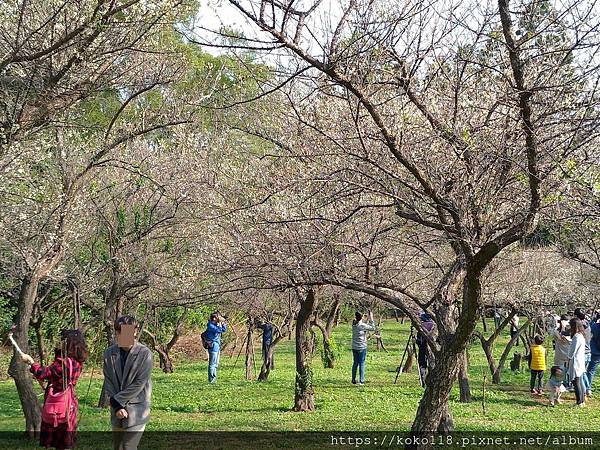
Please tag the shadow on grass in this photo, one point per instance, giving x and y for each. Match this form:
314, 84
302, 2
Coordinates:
191, 409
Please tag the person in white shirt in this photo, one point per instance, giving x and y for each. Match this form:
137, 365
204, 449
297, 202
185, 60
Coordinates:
514, 327
577, 359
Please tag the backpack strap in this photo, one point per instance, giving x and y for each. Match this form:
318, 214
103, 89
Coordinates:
70, 373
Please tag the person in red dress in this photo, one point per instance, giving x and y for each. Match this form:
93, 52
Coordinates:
64, 435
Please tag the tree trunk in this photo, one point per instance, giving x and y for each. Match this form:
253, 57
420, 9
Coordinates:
304, 399
410, 359
507, 349
17, 369
463, 379
36, 323
111, 306
328, 355
487, 345
267, 364
166, 364
328, 352
487, 349
249, 355
433, 413
109, 317
379, 343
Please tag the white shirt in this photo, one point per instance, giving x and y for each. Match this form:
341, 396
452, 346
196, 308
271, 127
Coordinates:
577, 356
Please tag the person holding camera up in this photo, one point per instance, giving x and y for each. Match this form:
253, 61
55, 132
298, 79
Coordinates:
215, 327
360, 326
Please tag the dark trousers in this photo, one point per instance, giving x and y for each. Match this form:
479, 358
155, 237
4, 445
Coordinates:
537, 376
513, 333
579, 389
127, 438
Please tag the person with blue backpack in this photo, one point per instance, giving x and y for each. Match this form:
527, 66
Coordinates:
595, 353
211, 340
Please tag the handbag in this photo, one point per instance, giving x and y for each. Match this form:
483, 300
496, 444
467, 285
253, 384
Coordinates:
58, 406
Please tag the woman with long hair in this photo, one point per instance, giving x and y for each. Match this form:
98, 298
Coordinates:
577, 359
68, 361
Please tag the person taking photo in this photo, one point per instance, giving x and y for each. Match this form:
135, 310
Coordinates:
216, 326
361, 325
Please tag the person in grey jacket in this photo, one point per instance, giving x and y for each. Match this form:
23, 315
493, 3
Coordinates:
127, 369
360, 326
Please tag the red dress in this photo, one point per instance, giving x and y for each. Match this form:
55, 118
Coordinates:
64, 435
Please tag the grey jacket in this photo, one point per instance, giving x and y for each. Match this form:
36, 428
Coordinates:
359, 334
131, 387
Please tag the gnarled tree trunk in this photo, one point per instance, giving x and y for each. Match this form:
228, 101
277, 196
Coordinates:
463, 379
326, 328
506, 352
304, 398
410, 359
488, 345
266, 367
433, 413
163, 350
249, 354
19, 370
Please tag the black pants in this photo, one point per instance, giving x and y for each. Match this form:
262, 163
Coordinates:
536, 375
513, 333
579, 390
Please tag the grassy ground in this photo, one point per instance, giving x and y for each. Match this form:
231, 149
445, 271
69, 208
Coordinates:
184, 400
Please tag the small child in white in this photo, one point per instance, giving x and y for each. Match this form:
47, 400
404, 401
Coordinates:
555, 385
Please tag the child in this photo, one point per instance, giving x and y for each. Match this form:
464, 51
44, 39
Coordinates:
537, 365
555, 385
61, 435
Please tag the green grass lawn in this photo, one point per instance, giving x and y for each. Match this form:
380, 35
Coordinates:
185, 401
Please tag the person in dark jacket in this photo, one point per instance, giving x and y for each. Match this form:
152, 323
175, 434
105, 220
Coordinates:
423, 357
127, 371
216, 326
595, 353
267, 339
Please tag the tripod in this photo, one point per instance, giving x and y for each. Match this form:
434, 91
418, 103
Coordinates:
411, 340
